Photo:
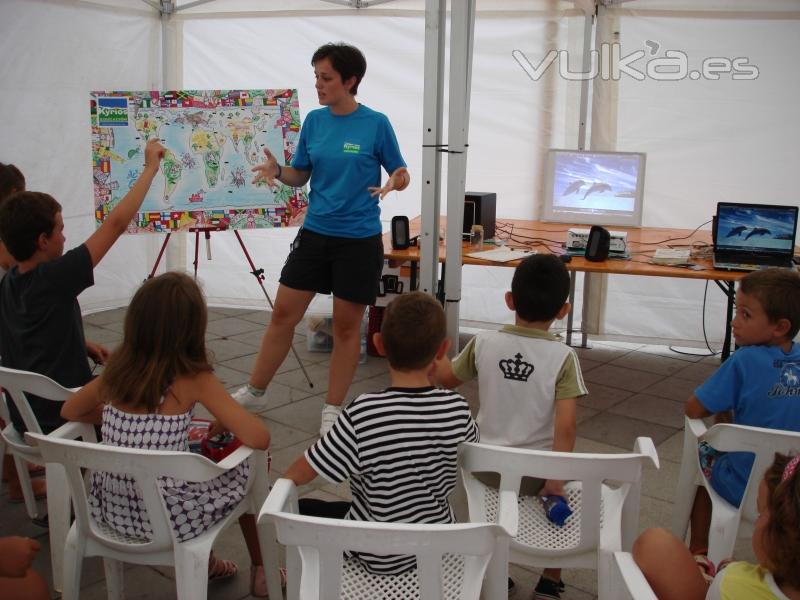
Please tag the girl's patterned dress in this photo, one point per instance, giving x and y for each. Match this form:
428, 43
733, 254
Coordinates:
194, 507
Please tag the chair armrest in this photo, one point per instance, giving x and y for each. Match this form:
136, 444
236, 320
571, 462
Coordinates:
696, 426
508, 512
645, 446
74, 430
282, 498
236, 457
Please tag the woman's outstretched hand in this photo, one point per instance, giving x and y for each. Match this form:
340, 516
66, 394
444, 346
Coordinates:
398, 180
267, 171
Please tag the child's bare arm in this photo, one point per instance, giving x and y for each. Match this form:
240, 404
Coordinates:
232, 416
564, 433
694, 409
442, 374
301, 472
84, 406
100, 242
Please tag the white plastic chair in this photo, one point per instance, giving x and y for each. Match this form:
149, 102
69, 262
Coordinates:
16, 383
88, 537
451, 559
604, 520
627, 579
727, 521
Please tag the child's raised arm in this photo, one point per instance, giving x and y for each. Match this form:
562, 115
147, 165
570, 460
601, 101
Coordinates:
232, 415
84, 405
117, 221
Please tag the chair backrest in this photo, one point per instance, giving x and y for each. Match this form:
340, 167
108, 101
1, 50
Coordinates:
764, 443
627, 579
591, 470
322, 542
145, 467
16, 383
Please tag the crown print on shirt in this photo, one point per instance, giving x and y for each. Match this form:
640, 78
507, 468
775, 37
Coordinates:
516, 369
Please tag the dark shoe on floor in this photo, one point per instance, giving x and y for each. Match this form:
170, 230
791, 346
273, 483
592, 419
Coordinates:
511, 584
547, 589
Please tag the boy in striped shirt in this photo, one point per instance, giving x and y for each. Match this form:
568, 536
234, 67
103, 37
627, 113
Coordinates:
398, 447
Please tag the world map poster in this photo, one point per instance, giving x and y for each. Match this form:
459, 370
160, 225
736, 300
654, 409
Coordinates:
212, 138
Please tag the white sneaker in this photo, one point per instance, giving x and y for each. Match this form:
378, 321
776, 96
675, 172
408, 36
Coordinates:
248, 399
330, 413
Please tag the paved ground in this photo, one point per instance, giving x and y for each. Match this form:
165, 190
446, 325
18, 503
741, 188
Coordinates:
635, 390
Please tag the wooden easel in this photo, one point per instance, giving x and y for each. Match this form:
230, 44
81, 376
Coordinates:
206, 230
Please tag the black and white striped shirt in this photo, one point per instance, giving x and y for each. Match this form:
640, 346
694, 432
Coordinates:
399, 448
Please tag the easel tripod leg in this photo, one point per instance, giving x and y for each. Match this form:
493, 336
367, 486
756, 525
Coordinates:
259, 275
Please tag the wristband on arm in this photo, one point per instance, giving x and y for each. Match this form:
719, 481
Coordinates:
280, 171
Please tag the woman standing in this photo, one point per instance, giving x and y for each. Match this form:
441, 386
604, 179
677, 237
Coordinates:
339, 248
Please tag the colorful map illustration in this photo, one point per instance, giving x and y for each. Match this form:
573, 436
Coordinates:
213, 139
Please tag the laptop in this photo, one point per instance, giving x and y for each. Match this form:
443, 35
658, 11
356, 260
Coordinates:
748, 237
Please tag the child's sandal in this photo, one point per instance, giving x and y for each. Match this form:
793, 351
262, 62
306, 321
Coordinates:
707, 568
219, 568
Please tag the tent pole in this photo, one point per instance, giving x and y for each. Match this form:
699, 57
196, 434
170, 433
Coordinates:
433, 104
462, 23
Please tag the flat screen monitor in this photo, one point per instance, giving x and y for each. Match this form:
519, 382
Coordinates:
594, 188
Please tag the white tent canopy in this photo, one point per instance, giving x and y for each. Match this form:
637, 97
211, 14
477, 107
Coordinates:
706, 140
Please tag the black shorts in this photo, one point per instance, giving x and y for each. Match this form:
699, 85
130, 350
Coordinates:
350, 268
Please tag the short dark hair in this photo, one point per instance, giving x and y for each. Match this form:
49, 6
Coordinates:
778, 292
24, 216
346, 60
540, 287
413, 328
11, 180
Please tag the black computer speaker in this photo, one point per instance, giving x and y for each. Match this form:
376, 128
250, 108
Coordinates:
598, 245
400, 235
480, 209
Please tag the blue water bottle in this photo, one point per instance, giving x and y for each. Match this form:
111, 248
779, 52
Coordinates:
556, 509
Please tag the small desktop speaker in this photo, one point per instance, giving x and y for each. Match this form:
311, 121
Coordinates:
480, 209
400, 234
598, 244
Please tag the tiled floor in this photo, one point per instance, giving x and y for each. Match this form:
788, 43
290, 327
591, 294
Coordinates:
635, 390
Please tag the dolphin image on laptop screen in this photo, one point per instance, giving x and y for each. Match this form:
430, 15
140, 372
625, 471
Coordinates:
753, 236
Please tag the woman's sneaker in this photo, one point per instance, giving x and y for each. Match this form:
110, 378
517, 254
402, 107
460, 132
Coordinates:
330, 412
247, 397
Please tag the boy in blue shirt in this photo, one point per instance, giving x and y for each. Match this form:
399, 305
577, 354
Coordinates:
759, 385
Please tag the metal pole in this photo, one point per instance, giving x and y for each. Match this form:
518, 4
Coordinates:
435, 20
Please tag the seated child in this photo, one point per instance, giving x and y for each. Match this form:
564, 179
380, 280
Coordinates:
152, 383
528, 380
759, 383
12, 181
375, 442
40, 320
673, 574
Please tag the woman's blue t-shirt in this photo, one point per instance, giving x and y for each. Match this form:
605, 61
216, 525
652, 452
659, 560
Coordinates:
345, 154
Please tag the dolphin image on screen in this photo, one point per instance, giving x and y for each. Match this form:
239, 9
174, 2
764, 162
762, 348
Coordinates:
574, 187
597, 187
758, 231
736, 231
